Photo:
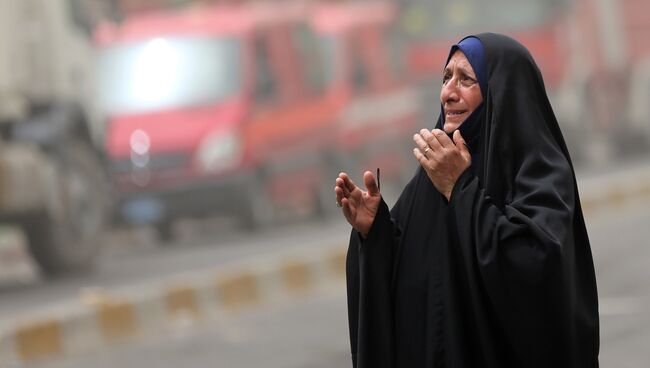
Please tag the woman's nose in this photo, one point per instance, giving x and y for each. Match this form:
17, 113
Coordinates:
449, 91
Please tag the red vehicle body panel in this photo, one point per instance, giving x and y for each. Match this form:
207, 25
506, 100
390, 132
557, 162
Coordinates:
291, 143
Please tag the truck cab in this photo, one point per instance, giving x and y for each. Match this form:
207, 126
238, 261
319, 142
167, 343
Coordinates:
249, 109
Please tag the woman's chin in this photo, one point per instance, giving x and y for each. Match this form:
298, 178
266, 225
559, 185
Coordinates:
449, 126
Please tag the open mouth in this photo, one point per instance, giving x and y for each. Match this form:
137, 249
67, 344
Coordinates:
455, 113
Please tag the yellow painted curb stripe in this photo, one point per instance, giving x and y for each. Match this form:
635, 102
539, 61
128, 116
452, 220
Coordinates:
116, 320
336, 262
238, 290
296, 277
613, 197
39, 340
181, 300
645, 191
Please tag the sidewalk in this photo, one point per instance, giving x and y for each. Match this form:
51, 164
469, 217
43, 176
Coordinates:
104, 318
600, 187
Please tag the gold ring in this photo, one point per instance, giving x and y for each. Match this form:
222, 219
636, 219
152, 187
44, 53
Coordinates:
426, 150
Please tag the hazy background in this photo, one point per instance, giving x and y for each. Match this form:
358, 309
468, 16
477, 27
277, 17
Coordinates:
146, 139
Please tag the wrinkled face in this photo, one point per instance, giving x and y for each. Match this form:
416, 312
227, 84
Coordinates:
460, 94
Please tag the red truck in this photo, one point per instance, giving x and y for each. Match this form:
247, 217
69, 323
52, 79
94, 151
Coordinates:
250, 108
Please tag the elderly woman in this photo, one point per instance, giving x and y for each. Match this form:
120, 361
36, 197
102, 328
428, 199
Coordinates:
484, 261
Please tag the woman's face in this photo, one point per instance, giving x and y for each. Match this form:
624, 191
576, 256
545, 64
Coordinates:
460, 94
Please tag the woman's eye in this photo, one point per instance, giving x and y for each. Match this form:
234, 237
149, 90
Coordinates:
468, 81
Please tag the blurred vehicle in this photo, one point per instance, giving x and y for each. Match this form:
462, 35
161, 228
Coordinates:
593, 55
52, 179
248, 108
380, 109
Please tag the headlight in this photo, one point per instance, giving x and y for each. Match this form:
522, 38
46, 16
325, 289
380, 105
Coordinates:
140, 144
219, 151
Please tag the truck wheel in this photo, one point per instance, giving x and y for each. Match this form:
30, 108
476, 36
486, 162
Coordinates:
165, 231
65, 237
256, 210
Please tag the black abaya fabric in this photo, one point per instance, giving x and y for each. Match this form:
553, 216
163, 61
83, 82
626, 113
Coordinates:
502, 274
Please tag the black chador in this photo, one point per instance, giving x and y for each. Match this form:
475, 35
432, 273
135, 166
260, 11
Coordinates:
502, 274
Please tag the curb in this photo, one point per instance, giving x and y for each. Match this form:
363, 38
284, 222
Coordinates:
168, 306
615, 188
102, 319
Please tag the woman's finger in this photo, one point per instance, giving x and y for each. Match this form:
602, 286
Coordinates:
423, 160
347, 208
339, 194
431, 140
341, 184
461, 144
442, 138
421, 144
347, 182
370, 183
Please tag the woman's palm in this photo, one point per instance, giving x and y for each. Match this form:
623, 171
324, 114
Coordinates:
359, 207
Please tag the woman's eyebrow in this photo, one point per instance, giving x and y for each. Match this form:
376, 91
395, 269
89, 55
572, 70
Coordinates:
467, 71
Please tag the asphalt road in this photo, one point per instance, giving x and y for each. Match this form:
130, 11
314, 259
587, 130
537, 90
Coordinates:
309, 333
620, 238
312, 332
139, 260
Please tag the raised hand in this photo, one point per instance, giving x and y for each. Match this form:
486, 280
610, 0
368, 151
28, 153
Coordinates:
443, 160
359, 207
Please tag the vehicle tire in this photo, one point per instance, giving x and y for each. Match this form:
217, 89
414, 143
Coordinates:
165, 231
66, 236
256, 209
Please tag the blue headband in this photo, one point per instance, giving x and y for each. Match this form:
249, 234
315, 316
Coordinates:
475, 54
